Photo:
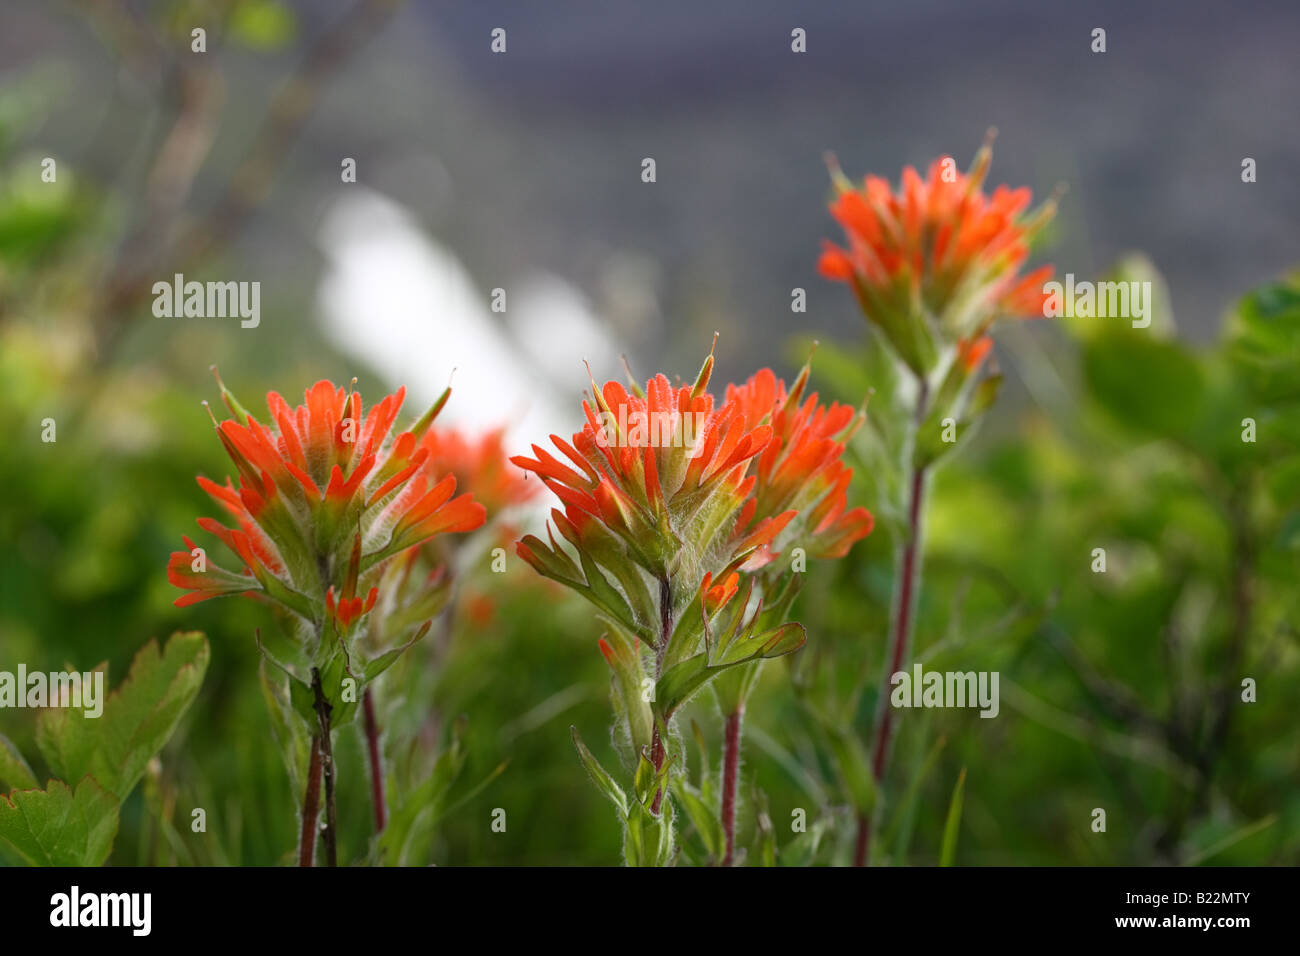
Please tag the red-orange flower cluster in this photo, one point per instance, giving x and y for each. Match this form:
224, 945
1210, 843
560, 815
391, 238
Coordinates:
801, 468
938, 251
668, 481
324, 499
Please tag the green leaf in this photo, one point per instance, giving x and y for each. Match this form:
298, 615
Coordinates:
290, 733
949, 850
599, 776
137, 720
854, 767
1149, 386
682, 680
413, 822
373, 668
14, 772
704, 819
334, 677
649, 838
900, 834
304, 703
57, 827
802, 850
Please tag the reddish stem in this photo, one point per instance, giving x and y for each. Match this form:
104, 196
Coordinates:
901, 639
310, 807
730, 771
863, 842
376, 760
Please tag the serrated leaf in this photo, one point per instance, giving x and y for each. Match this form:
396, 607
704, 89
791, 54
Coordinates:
15, 774
137, 720
59, 827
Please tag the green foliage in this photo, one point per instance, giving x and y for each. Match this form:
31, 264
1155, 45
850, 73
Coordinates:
58, 826
104, 756
138, 719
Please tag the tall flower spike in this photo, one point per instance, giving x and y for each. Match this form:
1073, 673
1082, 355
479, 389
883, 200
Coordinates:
670, 502
936, 262
324, 499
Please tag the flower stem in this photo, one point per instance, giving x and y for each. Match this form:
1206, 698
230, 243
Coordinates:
376, 759
323, 709
310, 807
657, 753
907, 586
730, 771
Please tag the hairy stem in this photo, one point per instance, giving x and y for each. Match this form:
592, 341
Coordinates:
310, 807
730, 771
376, 759
323, 709
657, 753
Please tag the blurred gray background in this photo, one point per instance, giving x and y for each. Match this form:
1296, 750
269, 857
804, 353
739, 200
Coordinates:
522, 170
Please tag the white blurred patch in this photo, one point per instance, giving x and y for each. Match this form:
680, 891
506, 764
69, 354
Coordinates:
406, 305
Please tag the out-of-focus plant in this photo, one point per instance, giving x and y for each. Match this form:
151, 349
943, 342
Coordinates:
932, 266
326, 504
434, 581
669, 529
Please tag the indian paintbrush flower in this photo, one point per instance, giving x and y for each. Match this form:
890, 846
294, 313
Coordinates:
325, 499
329, 510
936, 262
671, 502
